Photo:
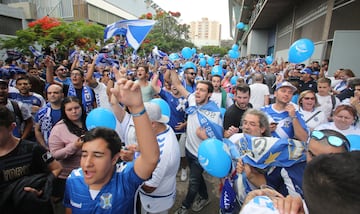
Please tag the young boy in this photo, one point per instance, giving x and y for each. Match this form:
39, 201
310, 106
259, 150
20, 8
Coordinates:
327, 101
101, 185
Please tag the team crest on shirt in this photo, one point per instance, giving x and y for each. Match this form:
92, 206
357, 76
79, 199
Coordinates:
106, 201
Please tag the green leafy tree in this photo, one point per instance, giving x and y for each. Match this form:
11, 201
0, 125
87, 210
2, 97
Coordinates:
57, 33
214, 50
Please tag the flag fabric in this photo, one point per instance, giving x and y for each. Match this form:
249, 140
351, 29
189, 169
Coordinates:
13, 54
212, 128
264, 152
135, 31
35, 52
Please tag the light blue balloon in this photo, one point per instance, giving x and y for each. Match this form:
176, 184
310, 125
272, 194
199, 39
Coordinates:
100, 117
217, 71
354, 142
189, 65
201, 55
211, 61
193, 50
269, 60
174, 56
186, 52
164, 106
221, 62
301, 50
240, 25
233, 54
202, 62
235, 47
213, 157
233, 80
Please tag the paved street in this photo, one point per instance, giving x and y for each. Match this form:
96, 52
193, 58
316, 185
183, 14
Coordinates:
213, 190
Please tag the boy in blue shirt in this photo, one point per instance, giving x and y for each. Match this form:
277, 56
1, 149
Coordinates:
102, 185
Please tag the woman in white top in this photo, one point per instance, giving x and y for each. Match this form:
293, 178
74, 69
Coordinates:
345, 119
308, 107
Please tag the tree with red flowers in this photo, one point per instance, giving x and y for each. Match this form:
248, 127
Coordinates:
49, 31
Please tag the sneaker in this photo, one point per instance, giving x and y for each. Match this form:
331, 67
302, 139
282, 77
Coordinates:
181, 210
199, 204
183, 176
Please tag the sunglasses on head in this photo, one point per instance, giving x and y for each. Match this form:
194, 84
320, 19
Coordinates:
332, 140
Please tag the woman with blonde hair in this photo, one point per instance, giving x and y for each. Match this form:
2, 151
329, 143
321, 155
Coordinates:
308, 107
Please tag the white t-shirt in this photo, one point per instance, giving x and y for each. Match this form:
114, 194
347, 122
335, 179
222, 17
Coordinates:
258, 91
326, 105
217, 98
350, 130
192, 140
315, 121
164, 175
101, 97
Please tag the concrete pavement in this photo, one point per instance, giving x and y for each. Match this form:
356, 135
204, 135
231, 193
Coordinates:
213, 190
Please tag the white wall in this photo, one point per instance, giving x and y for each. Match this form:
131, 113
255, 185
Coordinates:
257, 42
345, 52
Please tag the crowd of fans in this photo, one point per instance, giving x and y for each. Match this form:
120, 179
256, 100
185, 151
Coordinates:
44, 104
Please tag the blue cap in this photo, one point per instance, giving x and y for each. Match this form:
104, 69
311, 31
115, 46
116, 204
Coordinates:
306, 71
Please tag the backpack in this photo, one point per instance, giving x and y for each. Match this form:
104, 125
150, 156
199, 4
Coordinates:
17, 113
333, 101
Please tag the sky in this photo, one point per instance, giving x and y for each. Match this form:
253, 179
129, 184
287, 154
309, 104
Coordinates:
194, 10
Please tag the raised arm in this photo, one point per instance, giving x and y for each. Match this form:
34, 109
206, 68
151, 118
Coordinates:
91, 81
128, 93
175, 81
154, 84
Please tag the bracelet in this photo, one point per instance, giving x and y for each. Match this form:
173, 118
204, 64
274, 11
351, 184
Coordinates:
294, 117
138, 114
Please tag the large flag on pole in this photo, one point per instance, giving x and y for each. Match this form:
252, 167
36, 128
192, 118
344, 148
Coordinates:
135, 31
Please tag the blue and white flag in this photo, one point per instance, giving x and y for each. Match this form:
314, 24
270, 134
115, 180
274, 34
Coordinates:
158, 53
35, 52
264, 152
212, 128
135, 31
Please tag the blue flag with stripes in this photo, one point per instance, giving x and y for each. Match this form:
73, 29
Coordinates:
135, 31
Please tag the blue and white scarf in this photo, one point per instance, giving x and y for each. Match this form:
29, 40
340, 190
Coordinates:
45, 122
87, 97
205, 113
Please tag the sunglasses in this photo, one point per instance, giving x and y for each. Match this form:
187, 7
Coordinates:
332, 140
192, 74
61, 69
309, 98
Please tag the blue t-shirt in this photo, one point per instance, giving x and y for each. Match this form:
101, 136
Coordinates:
287, 180
67, 81
284, 122
177, 109
117, 196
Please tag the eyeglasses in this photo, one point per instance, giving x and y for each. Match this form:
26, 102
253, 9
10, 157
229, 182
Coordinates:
192, 73
332, 140
75, 74
309, 98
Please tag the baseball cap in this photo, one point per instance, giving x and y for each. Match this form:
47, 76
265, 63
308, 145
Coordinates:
306, 71
3, 82
286, 84
154, 112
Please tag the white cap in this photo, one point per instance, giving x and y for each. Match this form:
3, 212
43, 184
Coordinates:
154, 112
